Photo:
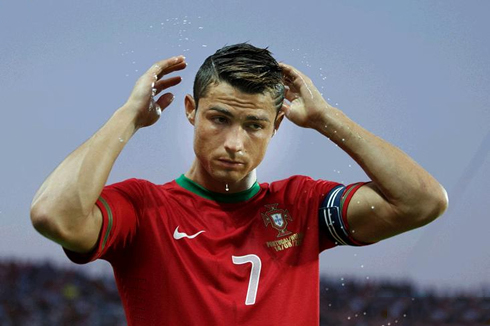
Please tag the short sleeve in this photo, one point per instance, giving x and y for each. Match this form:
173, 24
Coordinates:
121, 205
307, 195
332, 216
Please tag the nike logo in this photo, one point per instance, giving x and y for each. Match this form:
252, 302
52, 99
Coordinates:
179, 235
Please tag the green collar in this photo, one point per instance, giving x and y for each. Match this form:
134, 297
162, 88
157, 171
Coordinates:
193, 187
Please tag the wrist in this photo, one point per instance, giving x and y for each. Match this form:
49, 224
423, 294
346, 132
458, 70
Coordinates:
325, 118
127, 116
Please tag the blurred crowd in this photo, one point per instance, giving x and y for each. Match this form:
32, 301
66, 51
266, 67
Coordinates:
43, 294
389, 303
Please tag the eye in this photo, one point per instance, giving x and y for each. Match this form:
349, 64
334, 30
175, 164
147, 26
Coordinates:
219, 120
255, 126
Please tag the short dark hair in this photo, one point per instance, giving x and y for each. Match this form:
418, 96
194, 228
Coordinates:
250, 69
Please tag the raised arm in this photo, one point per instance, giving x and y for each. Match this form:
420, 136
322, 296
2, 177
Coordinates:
402, 195
63, 208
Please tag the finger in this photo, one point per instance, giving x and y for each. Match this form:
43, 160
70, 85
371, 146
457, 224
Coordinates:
286, 109
165, 100
166, 83
290, 73
299, 83
293, 75
176, 67
163, 65
290, 95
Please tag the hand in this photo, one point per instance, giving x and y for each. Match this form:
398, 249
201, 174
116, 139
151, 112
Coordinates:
151, 83
306, 105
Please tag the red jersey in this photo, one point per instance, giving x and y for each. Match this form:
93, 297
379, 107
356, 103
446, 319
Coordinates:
183, 255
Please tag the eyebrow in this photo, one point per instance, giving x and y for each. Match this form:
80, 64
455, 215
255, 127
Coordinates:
248, 117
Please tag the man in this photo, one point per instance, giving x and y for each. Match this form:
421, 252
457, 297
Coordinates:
214, 247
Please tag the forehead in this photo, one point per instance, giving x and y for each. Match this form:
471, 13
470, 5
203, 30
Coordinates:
223, 94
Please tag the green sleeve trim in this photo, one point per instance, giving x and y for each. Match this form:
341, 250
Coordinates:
197, 189
110, 220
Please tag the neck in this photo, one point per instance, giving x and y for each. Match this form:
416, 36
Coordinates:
200, 176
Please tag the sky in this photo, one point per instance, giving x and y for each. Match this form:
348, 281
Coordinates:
415, 73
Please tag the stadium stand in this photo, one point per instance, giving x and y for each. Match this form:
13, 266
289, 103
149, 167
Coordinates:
43, 294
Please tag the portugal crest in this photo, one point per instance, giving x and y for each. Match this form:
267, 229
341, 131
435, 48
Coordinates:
278, 219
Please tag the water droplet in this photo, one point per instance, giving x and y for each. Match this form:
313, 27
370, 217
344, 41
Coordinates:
204, 46
348, 318
121, 140
364, 313
343, 139
200, 27
404, 315
350, 165
227, 188
367, 277
362, 266
372, 207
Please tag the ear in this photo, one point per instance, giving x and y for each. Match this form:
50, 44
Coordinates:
277, 122
190, 108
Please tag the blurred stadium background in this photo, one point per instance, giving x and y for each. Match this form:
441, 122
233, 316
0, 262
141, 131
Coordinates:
45, 294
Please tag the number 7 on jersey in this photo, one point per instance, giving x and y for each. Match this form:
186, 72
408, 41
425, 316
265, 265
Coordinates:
253, 283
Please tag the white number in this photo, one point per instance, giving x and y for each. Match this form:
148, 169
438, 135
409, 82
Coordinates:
253, 282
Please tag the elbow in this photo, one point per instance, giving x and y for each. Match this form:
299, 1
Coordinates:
42, 221
435, 206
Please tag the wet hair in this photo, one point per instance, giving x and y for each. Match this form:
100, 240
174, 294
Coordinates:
245, 67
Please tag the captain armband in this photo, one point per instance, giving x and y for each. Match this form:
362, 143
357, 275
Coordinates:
333, 215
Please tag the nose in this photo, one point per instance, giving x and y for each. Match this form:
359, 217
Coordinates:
234, 141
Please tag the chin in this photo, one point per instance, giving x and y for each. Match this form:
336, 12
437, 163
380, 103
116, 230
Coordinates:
227, 176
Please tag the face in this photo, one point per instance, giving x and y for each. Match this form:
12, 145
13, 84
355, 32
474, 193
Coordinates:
232, 131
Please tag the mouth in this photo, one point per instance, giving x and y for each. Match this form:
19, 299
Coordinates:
230, 163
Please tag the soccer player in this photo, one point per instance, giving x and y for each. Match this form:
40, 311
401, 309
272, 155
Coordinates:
214, 246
